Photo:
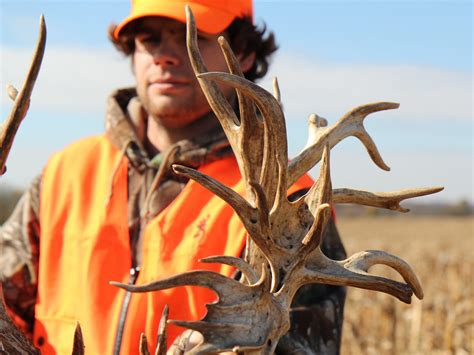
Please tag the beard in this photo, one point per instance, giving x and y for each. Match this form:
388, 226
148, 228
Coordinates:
175, 111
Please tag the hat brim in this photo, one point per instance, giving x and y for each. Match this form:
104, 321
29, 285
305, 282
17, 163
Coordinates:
208, 20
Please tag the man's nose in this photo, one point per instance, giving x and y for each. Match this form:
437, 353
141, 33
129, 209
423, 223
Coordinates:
164, 55
164, 50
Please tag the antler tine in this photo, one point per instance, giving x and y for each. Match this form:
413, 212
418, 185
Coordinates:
214, 281
247, 110
237, 263
319, 199
281, 191
267, 104
351, 124
251, 127
388, 200
247, 214
316, 126
78, 342
262, 206
321, 191
237, 202
168, 156
143, 348
353, 272
214, 95
251, 217
276, 90
275, 130
361, 262
22, 100
371, 148
12, 92
268, 158
162, 337
326, 271
316, 231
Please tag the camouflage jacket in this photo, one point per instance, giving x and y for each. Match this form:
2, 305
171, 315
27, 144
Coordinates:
317, 310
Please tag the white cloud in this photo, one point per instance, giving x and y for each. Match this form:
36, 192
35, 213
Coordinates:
80, 80
326, 89
70, 78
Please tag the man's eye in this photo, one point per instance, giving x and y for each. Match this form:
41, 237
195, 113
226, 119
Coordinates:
146, 42
147, 39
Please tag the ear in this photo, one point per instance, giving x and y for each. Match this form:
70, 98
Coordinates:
246, 62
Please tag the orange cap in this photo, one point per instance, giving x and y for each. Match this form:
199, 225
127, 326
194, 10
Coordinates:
212, 16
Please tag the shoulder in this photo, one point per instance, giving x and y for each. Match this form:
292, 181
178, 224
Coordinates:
83, 155
88, 144
86, 148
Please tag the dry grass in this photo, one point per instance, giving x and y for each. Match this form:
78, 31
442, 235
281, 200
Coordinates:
440, 249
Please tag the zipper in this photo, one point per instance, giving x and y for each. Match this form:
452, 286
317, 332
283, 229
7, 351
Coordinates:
134, 271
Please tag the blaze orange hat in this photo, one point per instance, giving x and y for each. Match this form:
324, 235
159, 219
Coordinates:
212, 16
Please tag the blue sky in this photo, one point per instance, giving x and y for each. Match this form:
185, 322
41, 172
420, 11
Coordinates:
333, 55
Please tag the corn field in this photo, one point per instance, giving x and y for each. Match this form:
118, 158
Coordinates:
440, 249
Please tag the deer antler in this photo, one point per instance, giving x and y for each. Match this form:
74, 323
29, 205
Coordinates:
22, 99
285, 236
11, 339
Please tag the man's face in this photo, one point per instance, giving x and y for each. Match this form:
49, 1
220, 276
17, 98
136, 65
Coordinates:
166, 84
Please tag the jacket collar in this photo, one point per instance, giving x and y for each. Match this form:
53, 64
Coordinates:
125, 125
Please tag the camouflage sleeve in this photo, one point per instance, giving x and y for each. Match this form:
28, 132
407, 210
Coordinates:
317, 310
19, 251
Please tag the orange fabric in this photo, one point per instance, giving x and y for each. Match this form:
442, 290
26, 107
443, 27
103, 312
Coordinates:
85, 244
212, 16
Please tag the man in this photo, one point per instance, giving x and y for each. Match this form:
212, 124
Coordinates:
109, 208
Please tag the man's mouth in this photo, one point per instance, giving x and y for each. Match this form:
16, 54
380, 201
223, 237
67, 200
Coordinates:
168, 85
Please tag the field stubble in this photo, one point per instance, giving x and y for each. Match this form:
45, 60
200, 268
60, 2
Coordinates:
440, 249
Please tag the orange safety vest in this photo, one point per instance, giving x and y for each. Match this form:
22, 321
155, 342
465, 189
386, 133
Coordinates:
85, 244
